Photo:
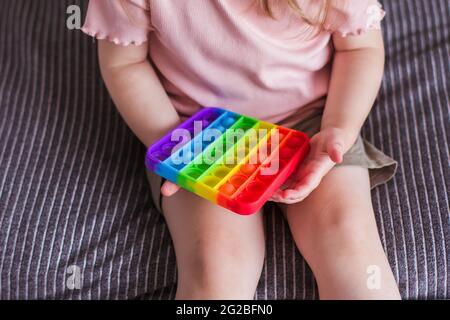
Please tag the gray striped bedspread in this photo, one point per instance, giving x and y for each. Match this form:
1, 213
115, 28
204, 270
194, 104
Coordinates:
75, 205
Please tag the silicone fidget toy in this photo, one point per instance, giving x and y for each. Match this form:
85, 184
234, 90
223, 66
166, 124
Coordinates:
232, 160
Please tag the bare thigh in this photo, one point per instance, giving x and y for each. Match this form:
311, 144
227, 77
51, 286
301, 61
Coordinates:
219, 254
335, 230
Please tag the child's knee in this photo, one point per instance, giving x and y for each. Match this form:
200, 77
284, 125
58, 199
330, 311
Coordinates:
220, 272
340, 219
343, 223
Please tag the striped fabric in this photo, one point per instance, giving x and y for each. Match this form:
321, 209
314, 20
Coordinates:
73, 190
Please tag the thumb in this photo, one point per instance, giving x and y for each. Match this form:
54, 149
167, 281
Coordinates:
169, 188
335, 150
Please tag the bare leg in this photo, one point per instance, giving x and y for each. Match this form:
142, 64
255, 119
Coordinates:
335, 230
219, 254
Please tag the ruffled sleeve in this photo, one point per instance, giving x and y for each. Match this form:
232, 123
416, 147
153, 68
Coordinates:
123, 22
354, 17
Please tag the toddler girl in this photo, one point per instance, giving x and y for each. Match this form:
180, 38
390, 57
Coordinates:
312, 65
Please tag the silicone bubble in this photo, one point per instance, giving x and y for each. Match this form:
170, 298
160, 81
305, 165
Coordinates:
265, 178
221, 172
274, 167
194, 173
205, 123
256, 188
158, 156
228, 189
202, 167
248, 168
211, 181
228, 122
247, 197
168, 148
221, 128
286, 152
237, 180
294, 142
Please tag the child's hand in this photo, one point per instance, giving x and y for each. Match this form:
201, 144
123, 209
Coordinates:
169, 189
327, 149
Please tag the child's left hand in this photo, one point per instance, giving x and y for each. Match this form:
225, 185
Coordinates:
327, 150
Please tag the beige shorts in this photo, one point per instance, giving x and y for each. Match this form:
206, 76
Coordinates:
363, 154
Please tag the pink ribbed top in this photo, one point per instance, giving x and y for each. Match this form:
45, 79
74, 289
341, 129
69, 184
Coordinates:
226, 53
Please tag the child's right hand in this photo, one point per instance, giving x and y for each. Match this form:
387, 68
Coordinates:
327, 149
169, 189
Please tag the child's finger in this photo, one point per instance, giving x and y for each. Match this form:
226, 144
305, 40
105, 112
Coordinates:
302, 189
277, 196
335, 151
168, 189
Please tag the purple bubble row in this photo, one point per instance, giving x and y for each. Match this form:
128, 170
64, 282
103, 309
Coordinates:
162, 149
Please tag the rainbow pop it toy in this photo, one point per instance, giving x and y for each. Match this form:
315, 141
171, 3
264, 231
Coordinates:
235, 161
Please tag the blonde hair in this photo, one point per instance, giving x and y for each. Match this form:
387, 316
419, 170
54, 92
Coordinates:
314, 21
317, 20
